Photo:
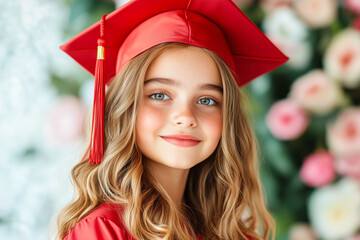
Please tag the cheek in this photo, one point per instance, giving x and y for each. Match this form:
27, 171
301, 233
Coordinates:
212, 125
149, 120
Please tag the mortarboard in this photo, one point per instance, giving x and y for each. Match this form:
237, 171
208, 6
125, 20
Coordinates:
217, 25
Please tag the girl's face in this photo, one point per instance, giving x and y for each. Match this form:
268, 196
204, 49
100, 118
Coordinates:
180, 117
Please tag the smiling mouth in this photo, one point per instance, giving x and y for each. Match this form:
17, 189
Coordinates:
181, 141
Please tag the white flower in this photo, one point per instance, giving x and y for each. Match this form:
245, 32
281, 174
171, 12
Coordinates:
290, 34
342, 58
316, 13
119, 3
285, 23
301, 231
334, 211
316, 92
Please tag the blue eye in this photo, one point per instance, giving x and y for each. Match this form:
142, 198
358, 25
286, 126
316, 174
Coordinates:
207, 101
159, 96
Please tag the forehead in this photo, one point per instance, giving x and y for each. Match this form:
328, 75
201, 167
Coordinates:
185, 64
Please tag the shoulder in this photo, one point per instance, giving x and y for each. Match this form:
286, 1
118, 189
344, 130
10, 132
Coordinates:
248, 237
108, 211
102, 223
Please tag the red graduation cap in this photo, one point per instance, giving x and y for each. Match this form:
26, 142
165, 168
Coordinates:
217, 25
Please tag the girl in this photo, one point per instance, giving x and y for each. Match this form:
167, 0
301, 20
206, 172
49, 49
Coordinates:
171, 154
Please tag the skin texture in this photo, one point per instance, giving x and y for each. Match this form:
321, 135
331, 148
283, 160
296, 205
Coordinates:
183, 96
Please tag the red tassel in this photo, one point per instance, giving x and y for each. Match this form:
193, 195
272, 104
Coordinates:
96, 150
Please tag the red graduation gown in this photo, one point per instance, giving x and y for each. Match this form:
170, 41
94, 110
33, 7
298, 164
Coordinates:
103, 223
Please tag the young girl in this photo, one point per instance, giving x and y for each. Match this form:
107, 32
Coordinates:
172, 154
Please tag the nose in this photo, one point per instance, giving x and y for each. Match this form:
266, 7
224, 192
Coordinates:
183, 116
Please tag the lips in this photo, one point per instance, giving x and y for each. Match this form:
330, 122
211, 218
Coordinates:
182, 140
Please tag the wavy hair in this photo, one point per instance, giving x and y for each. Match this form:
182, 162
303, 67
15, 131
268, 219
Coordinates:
223, 196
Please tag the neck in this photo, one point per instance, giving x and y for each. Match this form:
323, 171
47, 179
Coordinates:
173, 180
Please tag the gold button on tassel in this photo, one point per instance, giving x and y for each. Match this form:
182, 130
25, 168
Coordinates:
100, 53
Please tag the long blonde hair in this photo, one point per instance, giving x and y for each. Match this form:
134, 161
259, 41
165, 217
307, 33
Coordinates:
223, 194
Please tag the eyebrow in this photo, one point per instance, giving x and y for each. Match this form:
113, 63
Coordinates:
171, 82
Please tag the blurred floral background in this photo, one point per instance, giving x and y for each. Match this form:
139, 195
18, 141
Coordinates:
306, 113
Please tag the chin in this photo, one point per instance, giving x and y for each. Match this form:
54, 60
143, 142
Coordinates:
180, 163
183, 166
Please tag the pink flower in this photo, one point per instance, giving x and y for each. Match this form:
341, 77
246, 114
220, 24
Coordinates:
356, 23
356, 237
270, 5
65, 124
353, 5
316, 92
318, 169
287, 120
302, 231
349, 166
343, 135
316, 13
342, 58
